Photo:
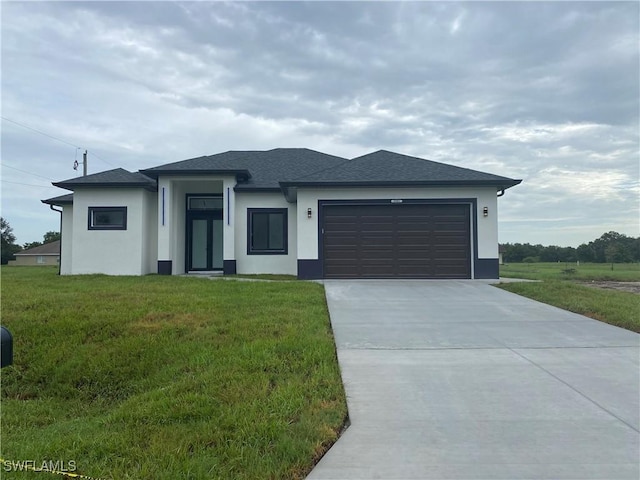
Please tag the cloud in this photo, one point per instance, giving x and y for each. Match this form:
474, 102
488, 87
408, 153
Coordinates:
547, 92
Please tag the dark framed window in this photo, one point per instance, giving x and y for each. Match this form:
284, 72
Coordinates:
107, 218
204, 202
267, 231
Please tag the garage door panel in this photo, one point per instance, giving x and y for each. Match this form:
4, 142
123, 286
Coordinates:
403, 241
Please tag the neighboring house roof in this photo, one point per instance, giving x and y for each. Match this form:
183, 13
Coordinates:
256, 170
389, 168
51, 248
61, 200
118, 177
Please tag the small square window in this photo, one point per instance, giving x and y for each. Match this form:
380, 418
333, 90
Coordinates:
107, 218
267, 231
40, 259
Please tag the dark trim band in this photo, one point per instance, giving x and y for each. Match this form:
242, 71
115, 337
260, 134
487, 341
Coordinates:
165, 267
229, 267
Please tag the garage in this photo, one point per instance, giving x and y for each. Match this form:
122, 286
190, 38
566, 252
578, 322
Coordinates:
396, 241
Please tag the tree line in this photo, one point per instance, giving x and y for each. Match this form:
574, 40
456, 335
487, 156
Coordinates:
9, 248
611, 247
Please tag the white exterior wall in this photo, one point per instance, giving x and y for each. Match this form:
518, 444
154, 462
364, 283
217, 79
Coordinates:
277, 264
150, 232
486, 197
112, 252
171, 235
66, 247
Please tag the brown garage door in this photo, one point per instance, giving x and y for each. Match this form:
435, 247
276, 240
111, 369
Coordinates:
401, 241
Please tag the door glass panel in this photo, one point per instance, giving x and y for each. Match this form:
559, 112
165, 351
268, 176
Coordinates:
199, 244
217, 243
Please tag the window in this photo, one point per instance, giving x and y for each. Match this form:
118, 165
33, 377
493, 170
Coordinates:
267, 231
40, 259
107, 218
205, 203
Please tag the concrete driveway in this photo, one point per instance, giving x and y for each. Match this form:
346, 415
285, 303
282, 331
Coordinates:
459, 379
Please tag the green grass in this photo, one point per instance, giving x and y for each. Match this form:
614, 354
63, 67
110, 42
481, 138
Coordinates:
623, 272
616, 308
168, 377
560, 287
265, 276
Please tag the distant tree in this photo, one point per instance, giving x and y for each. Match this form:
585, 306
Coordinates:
517, 252
586, 253
616, 253
550, 254
29, 245
51, 237
48, 238
568, 254
610, 245
6, 232
8, 247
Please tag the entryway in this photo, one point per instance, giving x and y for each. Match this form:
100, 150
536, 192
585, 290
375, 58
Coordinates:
204, 234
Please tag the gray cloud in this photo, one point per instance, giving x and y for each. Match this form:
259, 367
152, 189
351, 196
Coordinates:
547, 92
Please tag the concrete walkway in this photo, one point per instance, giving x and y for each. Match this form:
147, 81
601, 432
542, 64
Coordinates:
459, 379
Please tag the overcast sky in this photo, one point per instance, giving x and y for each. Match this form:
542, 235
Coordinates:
544, 92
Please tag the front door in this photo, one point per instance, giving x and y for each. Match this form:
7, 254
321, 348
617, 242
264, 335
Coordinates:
204, 241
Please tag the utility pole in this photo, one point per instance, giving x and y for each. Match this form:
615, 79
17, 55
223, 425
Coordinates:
84, 164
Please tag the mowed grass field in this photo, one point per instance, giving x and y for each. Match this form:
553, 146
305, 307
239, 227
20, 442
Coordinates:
565, 286
621, 272
167, 377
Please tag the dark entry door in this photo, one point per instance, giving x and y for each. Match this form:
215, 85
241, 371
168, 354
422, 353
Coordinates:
204, 241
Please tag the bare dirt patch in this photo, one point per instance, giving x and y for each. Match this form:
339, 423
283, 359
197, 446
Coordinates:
632, 287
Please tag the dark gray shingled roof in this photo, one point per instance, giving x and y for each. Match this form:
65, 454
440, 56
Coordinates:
389, 168
256, 170
288, 168
118, 177
61, 200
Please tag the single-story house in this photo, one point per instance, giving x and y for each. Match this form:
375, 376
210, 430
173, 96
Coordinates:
285, 211
42, 255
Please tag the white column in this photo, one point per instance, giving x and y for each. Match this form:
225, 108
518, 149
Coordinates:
229, 218
164, 219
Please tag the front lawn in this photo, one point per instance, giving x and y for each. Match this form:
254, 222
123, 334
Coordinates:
617, 308
168, 377
560, 286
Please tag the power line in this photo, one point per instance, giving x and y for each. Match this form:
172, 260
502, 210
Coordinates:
24, 171
55, 138
105, 161
38, 131
27, 184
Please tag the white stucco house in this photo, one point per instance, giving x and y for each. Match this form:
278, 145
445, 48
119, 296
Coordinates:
285, 211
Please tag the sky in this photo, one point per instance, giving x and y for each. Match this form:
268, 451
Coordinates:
546, 92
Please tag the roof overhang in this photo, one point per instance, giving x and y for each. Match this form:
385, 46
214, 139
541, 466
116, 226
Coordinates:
60, 201
242, 175
290, 188
67, 185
